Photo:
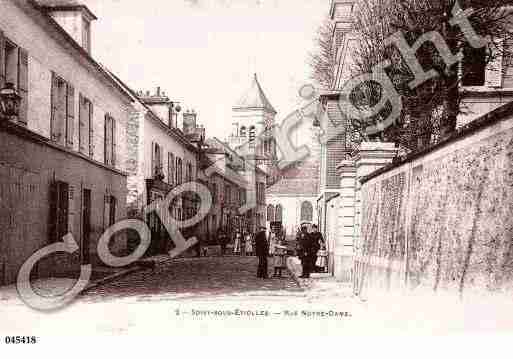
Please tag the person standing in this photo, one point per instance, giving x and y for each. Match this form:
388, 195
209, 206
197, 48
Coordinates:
305, 249
317, 243
249, 245
236, 248
280, 257
262, 251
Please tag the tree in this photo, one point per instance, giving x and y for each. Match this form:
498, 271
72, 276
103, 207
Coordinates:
322, 58
430, 109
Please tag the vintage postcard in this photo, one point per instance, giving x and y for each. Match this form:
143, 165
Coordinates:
238, 168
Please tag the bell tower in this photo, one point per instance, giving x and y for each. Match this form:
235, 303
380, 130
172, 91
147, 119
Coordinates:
252, 115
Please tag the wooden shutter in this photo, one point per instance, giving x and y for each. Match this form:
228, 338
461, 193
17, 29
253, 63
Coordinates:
59, 211
153, 160
2, 59
108, 140
494, 69
171, 169
106, 211
114, 141
112, 211
23, 84
54, 104
70, 115
91, 130
83, 125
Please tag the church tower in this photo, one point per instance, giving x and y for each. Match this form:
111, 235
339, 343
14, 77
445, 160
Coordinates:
252, 115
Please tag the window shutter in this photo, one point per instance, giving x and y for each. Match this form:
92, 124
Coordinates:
91, 130
64, 209
59, 211
54, 121
112, 211
83, 119
114, 142
70, 115
171, 169
106, 211
153, 160
71, 208
107, 140
2, 59
23, 84
493, 73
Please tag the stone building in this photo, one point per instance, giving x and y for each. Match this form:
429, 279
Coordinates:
62, 160
160, 157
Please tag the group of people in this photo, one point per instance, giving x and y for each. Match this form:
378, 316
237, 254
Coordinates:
308, 247
274, 247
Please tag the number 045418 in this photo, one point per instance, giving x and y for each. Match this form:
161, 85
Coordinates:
20, 340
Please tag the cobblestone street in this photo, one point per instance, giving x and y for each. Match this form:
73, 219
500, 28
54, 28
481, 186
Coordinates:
196, 278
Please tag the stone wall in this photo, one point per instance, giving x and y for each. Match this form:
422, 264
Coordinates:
442, 219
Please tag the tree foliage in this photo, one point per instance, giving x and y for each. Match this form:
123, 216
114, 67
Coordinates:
431, 109
322, 58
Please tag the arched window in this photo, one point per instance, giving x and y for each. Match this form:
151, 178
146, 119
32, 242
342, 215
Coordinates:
279, 213
243, 132
270, 213
306, 211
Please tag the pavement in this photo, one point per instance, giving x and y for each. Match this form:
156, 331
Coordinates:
221, 295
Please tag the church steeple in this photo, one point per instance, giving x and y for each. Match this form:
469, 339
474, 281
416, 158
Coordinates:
254, 99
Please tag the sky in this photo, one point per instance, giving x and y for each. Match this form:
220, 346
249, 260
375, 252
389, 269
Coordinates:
203, 53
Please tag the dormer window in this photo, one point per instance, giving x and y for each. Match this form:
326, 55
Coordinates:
86, 35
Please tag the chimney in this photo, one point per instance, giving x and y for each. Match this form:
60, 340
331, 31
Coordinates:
74, 17
189, 122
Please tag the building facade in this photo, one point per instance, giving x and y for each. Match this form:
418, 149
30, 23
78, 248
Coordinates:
63, 158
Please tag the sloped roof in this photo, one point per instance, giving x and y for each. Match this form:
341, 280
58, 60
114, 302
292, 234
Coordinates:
65, 5
254, 98
299, 179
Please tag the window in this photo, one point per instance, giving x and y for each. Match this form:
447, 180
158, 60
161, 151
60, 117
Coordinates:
214, 192
188, 172
242, 197
270, 213
252, 136
307, 211
156, 160
279, 213
179, 171
109, 211
170, 168
86, 35
86, 141
14, 69
110, 140
243, 131
260, 192
474, 66
59, 210
62, 121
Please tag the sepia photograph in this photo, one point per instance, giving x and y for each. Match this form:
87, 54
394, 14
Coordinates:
290, 169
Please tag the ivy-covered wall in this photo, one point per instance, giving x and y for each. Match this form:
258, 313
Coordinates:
443, 220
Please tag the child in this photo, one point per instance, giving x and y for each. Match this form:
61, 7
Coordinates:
280, 258
249, 245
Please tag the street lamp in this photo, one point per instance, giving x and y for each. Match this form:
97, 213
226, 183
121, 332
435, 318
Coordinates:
9, 101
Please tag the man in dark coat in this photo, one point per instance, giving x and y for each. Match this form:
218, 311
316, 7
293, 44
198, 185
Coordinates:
262, 251
317, 242
305, 249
